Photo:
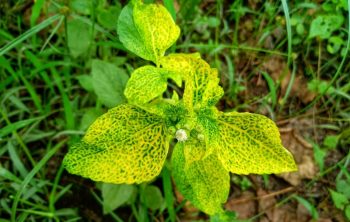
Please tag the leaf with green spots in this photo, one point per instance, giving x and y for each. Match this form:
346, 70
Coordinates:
208, 128
108, 82
194, 151
157, 29
250, 143
147, 83
205, 182
129, 35
125, 145
147, 30
201, 81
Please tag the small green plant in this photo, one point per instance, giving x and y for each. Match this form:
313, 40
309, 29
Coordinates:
130, 143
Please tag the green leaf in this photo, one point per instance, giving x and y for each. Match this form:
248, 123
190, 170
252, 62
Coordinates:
152, 197
108, 18
79, 37
250, 143
227, 216
147, 30
86, 82
205, 182
308, 206
331, 141
324, 25
319, 156
147, 83
125, 145
339, 199
343, 186
115, 195
109, 82
81, 6
334, 44
347, 212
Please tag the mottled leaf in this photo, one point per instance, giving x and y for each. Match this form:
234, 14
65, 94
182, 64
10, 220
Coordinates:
108, 82
147, 30
157, 29
125, 145
205, 182
201, 81
147, 83
250, 143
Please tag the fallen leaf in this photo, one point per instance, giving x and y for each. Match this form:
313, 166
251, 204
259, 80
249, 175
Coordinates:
244, 205
275, 66
302, 151
272, 212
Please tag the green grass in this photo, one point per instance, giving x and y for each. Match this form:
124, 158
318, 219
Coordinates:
268, 64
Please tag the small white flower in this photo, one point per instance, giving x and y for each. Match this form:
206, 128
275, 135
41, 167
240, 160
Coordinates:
181, 135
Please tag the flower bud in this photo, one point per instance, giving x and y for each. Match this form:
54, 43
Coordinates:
181, 135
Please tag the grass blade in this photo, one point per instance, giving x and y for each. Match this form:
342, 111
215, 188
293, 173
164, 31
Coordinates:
168, 194
28, 34
272, 87
30, 176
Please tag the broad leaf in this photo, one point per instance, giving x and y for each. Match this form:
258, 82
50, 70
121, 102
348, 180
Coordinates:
79, 37
205, 182
129, 35
108, 17
156, 27
115, 195
108, 82
125, 145
324, 25
250, 143
152, 197
339, 199
201, 82
147, 30
147, 83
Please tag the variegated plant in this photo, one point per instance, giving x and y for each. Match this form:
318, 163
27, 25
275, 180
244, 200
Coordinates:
130, 143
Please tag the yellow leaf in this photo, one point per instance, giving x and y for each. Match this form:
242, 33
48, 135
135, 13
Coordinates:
250, 143
205, 182
125, 145
157, 29
201, 82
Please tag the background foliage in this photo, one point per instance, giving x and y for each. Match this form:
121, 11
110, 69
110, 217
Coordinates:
62, 65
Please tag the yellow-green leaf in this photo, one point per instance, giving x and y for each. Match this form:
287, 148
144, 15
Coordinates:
205, 182
147, 30
157, 29
129, 35
201, 82
147, 83
250, 143
125, 145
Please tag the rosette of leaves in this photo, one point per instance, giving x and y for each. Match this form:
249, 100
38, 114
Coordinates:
130, 143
